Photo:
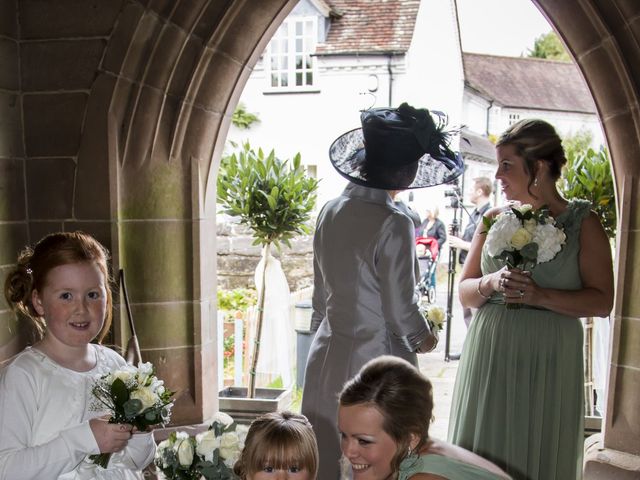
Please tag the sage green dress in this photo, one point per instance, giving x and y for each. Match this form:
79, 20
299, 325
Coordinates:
445, 467
518, 398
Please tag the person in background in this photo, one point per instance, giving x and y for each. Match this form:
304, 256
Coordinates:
364, 299
518, 399
433, 227
480, 197
384, 417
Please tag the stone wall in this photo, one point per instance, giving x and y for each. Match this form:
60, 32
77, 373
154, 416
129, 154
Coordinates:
238, 258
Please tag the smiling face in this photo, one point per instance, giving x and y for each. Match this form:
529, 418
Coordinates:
364, 442
512, 174
73, 302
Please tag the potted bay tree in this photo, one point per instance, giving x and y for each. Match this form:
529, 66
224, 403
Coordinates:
274, 198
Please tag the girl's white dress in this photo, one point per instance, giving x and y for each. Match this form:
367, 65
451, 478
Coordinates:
44, 422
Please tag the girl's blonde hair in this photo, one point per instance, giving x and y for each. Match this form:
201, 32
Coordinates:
279, 440
34, 264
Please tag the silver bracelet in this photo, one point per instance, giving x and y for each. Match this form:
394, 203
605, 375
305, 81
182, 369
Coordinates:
480, 291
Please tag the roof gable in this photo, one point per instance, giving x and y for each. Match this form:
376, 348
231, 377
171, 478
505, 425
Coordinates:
370, 26
530, 83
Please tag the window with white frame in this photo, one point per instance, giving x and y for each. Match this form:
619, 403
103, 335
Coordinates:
291, 64
513, 118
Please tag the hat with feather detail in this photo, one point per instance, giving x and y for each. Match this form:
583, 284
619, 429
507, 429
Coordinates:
396, 149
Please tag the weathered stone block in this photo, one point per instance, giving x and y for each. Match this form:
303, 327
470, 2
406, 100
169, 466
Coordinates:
13, 238
183, 73
38, 229
219, 81
46, 202
141, 46
67, 18
60, 65
53, 123
166, 325
158, 259
8, 19
101, 231
10, 126
165, 56
12, 205
9, 59
120, 39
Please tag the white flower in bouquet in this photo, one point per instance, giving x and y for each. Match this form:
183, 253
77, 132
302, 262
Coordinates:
147, 396
230, 446
550, 240
435, 315
184, 449
206, 444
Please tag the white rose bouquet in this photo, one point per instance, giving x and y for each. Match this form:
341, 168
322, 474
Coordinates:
131, 395
523, 237
209, 455
434, 315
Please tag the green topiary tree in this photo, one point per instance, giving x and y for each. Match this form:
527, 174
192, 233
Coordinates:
274, 198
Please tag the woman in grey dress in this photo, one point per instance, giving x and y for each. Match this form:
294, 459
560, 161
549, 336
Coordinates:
364, 302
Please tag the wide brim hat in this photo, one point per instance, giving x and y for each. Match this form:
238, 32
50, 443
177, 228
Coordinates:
391, 145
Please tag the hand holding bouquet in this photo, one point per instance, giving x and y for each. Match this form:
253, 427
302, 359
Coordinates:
523, 237
134, 396
210, 454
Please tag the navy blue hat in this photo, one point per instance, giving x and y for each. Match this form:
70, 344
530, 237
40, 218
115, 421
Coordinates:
397, 149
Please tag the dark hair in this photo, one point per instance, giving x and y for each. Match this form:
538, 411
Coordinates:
34, 264
279, 439
401, 394
535, 140
485, 184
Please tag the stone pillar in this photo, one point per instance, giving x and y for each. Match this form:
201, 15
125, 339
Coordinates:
616, 453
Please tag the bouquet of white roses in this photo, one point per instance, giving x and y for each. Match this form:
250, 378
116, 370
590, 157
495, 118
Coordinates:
210, 455
434, 315
523, 237
132, 395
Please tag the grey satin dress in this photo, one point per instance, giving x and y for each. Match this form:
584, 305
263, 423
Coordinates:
364, 303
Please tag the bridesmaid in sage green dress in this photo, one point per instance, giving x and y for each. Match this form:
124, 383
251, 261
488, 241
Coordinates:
518, 398
384, 416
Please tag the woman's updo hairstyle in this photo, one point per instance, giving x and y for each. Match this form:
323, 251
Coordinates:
401, 394
536, 140
34, 264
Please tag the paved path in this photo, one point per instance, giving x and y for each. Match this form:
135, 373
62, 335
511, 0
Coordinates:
443, 374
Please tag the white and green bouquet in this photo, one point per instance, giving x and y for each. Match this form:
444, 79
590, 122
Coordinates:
209, 455
132, 395
434, 315
523, 237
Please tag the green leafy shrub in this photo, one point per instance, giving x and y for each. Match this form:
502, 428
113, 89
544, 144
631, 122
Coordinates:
588, 175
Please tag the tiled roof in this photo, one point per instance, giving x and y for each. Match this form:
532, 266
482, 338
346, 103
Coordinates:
370, 26
528, 82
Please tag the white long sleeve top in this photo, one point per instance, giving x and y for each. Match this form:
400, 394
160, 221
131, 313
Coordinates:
44, 422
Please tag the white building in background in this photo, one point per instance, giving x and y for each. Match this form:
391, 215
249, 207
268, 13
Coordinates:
332, 58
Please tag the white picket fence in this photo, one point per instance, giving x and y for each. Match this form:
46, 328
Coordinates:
241, 357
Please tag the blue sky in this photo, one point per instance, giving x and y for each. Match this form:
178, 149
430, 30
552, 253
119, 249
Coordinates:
500, 27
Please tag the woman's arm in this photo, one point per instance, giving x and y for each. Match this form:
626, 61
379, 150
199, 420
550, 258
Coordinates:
395, 254
475, 289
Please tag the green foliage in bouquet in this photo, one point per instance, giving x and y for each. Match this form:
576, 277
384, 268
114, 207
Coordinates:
588, 175
273, 197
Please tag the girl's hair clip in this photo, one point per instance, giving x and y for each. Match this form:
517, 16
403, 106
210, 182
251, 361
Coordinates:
29, 271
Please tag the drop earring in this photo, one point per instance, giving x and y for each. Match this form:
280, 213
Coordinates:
535, 182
